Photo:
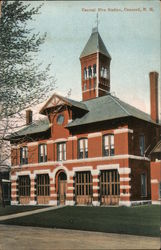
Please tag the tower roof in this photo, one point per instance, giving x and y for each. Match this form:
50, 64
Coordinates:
95, 44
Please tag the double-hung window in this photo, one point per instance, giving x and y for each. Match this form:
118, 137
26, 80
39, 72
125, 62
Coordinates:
83, 148
24, 155
143, 185
61, 151
142, 144
42, 153
108, 145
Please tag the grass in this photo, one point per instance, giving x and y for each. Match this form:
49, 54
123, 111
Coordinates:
143, 220
7, 210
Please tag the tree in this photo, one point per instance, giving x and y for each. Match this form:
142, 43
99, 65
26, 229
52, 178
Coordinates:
23, 81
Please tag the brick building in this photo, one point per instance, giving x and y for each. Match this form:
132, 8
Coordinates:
156, 174
94, 151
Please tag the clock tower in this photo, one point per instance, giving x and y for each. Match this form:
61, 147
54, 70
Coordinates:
95, 68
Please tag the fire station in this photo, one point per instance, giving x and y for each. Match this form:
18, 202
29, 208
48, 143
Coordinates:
98, 151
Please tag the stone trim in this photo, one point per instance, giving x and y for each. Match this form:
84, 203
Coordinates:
115, 157
14, 202
71, 188
60, 140
50, 142
69, 195
156, 202
123, 130
61, 168
125, 170
69, 203
95, 180
125, 203
95, 194
72, 138
95, 203
125, 186
125, 179
154, 181
83, 168
93, 135
108, 167
125, 195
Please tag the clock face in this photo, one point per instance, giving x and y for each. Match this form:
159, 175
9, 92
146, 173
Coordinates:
60, 119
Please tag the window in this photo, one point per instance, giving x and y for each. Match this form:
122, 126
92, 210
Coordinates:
94, 70
108, 145
143, 185
85, 87
24, 155
160, 190
61, 151
24, 185
142, 144
109, 182
90, 84
42, 153
90, 72
102, 71
60, 119
43, 185
83, 148
83, 183
85, 73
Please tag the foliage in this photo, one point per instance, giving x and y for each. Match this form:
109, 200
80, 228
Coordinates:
22, 79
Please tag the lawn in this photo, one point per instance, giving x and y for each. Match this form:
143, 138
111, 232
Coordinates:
142, 220
17, 209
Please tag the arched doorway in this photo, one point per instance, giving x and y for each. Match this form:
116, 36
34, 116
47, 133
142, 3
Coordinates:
62, 187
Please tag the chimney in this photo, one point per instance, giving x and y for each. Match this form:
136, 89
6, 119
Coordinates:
28, 116
154, 96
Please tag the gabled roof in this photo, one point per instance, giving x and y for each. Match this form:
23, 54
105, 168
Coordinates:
36, 127
107, 108
56, 100
95, 44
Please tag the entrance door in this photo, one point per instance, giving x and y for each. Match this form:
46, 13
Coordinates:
62, 188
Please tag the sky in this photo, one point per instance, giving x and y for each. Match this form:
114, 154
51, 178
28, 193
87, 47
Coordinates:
130, 30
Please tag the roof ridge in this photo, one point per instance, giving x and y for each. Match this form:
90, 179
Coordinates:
120, 105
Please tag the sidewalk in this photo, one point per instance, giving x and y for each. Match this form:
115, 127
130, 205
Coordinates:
30, 238
11, 216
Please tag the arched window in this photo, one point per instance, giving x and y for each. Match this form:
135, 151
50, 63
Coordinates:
42, 153
83, 148
85, 73
90, 72
23, 155
94, 70
108, 145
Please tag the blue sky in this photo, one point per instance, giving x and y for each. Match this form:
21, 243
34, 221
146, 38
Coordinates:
132, 38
